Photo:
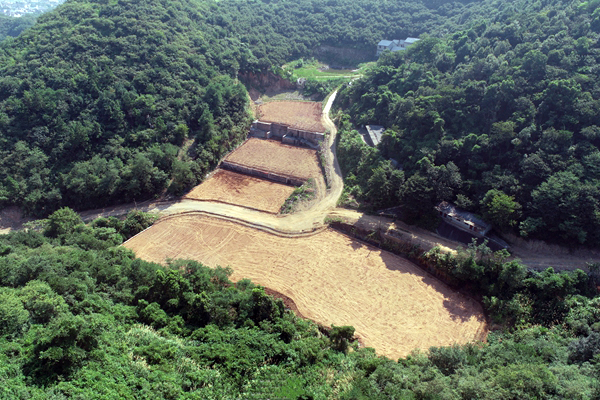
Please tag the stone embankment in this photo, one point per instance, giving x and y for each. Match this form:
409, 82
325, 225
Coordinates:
271, 176
286, 134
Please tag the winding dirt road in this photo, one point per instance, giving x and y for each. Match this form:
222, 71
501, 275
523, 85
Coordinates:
313, 219
298, 223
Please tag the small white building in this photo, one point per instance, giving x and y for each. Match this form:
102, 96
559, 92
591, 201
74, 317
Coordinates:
395, 45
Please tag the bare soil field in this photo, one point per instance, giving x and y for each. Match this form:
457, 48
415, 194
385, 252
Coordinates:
243, 190
305, 115
333, 279
274, 156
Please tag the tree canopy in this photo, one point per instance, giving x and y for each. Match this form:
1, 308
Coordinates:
80, 316
13, 26
507, 109
110, 102
494, 108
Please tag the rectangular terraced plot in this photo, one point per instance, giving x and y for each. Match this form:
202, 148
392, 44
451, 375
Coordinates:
305, 115
274, 156
243, 190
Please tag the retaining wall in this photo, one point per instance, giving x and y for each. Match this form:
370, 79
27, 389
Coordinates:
260, 134
278, 131
290, 140
315, 137
270, 130
263, 126
279, 178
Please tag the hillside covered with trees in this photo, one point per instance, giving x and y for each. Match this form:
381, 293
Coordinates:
112, 102
496, 108
97, 101
12, 26
501, 118
81, 317
280, 31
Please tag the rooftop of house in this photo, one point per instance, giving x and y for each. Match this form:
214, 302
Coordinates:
411, 40
455, 212
375, 132
385, 43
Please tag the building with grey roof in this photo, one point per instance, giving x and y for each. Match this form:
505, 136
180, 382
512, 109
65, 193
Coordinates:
462, 219
374, 133
394, 45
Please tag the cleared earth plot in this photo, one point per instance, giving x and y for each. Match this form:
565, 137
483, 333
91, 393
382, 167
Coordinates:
243, 190
305, 115
274, 156
333, 279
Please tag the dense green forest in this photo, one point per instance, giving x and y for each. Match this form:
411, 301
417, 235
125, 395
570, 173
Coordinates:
12, 26
280, 31
81, 317
496, 108
99, 103
105, 102
501, 118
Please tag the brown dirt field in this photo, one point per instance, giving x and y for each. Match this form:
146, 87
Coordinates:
305, 115
243, 190
333, 279
274, 156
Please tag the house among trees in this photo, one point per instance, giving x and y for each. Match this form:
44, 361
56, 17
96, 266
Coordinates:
374, 133
394, 45
463, 220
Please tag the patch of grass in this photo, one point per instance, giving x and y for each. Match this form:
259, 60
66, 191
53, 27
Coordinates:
332, 220
301, 194
347, 200
294, 95
315, 70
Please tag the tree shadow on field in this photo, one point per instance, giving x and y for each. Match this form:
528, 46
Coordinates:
464, 308
460, 306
